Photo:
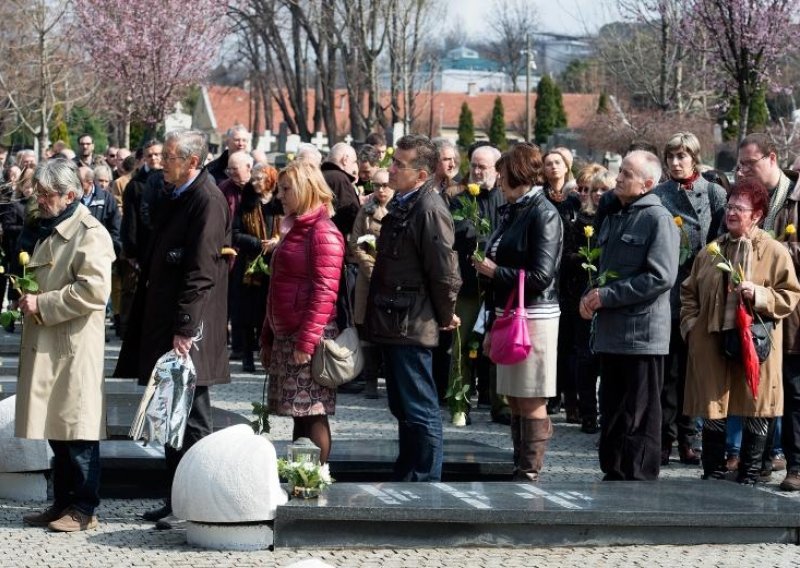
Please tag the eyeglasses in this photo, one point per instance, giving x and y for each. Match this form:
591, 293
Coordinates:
737, 208
749, 165
400, 166
168, 158
583, 190
44, 194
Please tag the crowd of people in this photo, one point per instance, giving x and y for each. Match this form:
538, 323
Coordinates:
633, 286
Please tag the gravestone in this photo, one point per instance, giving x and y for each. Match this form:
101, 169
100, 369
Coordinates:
265, 141
225, 480
348, 139
283, 133
292, 143
319, 141
22, 462
177, 119
413, 515
398, 131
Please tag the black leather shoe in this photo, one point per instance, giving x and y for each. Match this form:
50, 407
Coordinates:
157, 514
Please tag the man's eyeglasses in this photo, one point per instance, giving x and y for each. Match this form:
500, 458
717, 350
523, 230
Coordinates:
749, 164
168, 158
400, 166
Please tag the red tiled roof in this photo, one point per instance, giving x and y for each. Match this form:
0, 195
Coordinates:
231, 105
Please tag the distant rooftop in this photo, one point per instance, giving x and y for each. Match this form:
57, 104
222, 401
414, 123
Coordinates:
466, 59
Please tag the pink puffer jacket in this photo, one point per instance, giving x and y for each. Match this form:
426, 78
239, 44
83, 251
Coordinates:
306, 268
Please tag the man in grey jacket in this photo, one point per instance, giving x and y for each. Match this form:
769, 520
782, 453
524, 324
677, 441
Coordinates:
632, 327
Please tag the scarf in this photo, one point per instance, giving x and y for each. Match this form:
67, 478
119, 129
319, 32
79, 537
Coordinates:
776, 201
688, 183
47, 226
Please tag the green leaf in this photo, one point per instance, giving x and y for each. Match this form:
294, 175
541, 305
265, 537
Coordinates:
458, 217
485, 226
6, 318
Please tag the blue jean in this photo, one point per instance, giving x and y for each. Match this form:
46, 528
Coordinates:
413, 402
76, 474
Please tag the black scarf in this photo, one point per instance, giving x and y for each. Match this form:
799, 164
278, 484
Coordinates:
46, 226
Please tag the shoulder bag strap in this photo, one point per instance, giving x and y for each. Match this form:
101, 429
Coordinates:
521, 293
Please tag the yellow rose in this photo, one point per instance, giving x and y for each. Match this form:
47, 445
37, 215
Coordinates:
24, 258
713, 249
473, 354
588, 231
678, 221
228, 251
791, 229
390, 151
2, 270
290, 157
474, 189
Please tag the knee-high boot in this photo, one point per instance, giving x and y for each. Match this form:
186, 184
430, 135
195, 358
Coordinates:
749, 456
516, 440
713, 456
534, 434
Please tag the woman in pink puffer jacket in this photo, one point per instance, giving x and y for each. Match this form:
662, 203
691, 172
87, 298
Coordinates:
301, 304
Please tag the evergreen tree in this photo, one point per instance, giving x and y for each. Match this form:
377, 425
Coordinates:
466, 127
82, 121
759, 113
602, 104
549, 110
497, 127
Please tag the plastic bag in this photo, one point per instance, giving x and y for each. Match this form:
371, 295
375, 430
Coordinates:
167, 401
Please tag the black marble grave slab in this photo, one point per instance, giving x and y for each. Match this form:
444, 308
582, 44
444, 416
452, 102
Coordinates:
395, 515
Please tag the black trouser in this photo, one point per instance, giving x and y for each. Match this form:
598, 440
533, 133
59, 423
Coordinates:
565, 375
675, 424
198, 426
630, 415
442, 361
76, 474
586, 368
790, 435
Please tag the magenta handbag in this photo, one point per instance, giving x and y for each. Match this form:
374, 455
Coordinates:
509, 339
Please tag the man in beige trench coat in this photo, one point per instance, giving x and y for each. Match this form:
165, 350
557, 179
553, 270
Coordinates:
60, 395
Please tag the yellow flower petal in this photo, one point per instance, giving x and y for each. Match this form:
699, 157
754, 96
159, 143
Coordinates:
713, 248
588, 231
390, 151
791, 229
678, 220
228, 251
474, 189
24, 258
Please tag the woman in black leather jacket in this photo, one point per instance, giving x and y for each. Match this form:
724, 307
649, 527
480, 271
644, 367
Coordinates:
530, 238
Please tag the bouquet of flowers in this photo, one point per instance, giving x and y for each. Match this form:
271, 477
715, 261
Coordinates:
305, 476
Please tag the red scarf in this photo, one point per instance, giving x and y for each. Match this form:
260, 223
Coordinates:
688, 184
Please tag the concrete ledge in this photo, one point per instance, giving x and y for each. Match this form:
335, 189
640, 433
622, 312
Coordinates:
23, 486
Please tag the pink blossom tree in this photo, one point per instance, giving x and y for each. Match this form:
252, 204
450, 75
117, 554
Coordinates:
745, 41
147, 52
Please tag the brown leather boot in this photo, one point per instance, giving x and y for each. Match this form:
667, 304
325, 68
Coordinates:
687, 454
534, 434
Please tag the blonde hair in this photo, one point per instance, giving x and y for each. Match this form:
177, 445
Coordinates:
312, 191
588, 173
604, 179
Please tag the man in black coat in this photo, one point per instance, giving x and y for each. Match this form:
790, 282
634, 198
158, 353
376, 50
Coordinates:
101, 205
236, 139
184, 300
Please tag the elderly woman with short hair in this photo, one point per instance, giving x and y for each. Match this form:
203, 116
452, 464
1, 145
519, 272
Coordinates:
697, 206
716, 386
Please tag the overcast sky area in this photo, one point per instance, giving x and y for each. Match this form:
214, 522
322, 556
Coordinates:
570, 17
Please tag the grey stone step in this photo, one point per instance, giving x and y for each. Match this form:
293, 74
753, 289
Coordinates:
417, 515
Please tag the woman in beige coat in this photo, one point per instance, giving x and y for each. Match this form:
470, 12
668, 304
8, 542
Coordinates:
366, 228
60, 386
715, 385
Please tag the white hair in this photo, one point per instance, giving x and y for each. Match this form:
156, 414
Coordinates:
189, 143
241, 156
649, 165
309, 153
59, 176
339, 151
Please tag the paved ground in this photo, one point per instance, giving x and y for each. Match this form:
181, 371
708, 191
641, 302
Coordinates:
124, 541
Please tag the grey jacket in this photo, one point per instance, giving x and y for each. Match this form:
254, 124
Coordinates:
702, 210
640, 244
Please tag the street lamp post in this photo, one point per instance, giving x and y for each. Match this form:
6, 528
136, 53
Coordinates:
527, 88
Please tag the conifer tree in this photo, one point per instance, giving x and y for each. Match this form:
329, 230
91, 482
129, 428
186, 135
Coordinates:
466, 127
497, 126
549, 110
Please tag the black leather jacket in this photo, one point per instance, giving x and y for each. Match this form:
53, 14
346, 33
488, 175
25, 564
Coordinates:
532, 238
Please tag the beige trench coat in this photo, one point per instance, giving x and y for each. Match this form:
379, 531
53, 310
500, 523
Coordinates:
60, 391
368, 222
716, 386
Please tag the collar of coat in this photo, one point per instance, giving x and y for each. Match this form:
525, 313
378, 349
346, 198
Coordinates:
69, 226
758, 238
793, 177
649, 199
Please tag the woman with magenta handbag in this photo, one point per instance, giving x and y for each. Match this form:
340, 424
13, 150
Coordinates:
522, 262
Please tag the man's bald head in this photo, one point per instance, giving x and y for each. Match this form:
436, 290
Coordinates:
344, 156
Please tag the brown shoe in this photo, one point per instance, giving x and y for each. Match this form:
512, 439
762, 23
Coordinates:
73, 520
43, 518
732, 463
687, 455
778, 462
791, 482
